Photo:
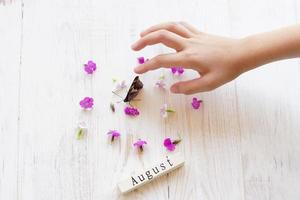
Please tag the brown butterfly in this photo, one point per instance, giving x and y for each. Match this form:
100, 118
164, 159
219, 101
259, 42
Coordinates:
133, 91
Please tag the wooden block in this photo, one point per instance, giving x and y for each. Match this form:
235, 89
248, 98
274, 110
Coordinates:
165, 166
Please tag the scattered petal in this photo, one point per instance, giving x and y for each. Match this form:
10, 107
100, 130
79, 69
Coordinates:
114, 80
140, 144
114, 134
82, 130
90, 67
112, 107
87, 103
164, 110
178, 70
196, 103
161, 84
141, 60
174, 70
131, 111
169, 144
120, 86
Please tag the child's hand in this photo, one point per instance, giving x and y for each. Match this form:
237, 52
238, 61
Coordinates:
214, 57
217, 59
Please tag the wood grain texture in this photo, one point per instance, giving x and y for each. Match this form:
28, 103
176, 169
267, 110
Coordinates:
243, 143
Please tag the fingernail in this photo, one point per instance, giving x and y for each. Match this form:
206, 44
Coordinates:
133, 46
137, 70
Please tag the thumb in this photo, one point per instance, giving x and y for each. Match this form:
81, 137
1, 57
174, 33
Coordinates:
202, 84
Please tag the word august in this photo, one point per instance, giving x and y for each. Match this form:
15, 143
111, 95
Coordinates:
165, 166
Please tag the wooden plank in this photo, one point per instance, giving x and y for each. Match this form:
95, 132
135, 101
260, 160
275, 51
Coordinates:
10, 71
267, 108
242, 144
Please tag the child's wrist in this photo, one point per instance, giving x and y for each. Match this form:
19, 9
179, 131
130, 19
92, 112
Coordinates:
251, 53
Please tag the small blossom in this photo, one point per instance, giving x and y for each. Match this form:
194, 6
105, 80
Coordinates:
164, 110
131, 111
120, 86
196, 103
170, 145
112, 107
113, 134
141, 60
114, 80
140, 144
161, 82
174, 70
90, 67
87, 103
178, 70
82, 130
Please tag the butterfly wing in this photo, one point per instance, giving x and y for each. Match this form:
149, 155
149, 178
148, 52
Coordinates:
134, 89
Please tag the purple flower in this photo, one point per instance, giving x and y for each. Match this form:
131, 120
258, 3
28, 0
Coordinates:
164, 110
178, 70
196, 103
131, 111
140, 144
87, 103
169, 144
114, 134
90, 67
141, 60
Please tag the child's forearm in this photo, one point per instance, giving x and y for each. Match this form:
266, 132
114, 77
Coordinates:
217, 59
270, 46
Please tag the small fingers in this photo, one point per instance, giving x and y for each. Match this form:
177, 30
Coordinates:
167, 38
174, 27
165, 61
202, 84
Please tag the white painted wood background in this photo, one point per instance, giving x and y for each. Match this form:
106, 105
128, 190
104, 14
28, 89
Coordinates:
244, 143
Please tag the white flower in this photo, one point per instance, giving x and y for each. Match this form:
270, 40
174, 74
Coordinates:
81, 130
164, 110
161, 82
120, 86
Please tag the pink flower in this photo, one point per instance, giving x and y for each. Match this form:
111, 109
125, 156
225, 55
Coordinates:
87, 103
90, 67
164, 110
174, 70
178, 70
140, 144
114, 134
131, 111
169, 144
141, 60
196, 103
